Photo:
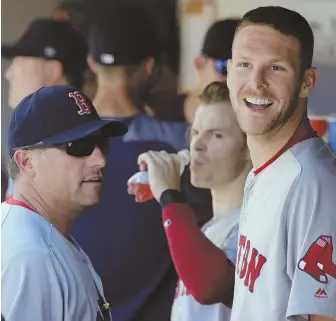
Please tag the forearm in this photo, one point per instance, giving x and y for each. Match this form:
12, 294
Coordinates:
203, 268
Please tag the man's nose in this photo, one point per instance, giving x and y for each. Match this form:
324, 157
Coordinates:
97, 158
199, 143
258, 79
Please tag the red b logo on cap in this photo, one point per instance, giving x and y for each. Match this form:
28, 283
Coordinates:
81, 102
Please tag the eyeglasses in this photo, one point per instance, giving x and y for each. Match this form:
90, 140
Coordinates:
78, 148
221, 66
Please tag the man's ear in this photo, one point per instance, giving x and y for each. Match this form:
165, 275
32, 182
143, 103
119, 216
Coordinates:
309, 81
199, 62
23, 159
91, 63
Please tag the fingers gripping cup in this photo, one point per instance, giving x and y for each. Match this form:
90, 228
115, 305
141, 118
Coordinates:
139, 182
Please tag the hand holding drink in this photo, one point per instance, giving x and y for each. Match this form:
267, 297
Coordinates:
159, 171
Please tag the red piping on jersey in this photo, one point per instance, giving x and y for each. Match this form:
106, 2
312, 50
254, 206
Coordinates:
302, 133
13, 201
203, 268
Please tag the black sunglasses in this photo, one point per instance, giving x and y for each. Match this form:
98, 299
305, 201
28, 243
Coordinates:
78, 148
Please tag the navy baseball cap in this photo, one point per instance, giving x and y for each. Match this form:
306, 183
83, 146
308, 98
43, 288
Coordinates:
219, 38
123, 36
51, 40
56, 114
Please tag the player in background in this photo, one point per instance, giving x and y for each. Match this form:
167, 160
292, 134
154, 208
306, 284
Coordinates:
211, 64
57, 144
204, 258
48, 53
126, 240
286, 262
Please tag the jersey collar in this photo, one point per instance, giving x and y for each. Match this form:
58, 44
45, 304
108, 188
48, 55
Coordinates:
13, 201
303, 132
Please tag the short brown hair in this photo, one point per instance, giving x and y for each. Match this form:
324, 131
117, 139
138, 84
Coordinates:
216, 92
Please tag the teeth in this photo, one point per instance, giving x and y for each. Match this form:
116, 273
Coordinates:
259, 101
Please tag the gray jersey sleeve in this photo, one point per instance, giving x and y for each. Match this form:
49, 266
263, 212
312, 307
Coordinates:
31, 288
231, 245
311, 247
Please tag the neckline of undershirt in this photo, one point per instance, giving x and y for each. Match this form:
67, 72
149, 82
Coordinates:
13, 201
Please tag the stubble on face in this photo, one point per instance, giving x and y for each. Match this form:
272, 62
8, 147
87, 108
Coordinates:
265, 65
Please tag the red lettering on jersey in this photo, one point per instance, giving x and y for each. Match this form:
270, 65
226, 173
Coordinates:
242, 241
253, 270
244, 264
81, 102
250, 267
317, 262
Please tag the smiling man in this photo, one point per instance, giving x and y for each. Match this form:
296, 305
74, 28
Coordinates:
57, 145
286, 260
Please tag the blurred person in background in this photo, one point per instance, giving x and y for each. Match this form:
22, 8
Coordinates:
160, 92
124, 239
211, 64
204, 258
48, 53
159, 95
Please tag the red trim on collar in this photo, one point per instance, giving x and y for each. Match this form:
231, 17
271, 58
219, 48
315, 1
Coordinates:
302, 133
13, 201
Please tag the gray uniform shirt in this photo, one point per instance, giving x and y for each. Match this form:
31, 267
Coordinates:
44, 276
286, 257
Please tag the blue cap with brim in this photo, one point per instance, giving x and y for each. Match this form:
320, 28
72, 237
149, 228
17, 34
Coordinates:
57, 114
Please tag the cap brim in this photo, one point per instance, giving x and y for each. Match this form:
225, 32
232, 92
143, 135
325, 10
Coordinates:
110, 128
8, 51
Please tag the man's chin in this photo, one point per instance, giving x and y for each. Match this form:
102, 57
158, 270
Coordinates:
253, 129
91, 201
199, 183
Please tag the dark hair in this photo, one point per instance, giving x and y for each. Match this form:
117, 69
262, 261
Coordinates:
75, 79
289, 23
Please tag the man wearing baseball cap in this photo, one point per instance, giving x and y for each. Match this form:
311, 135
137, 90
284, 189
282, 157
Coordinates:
127, 243
48, 53
212, 62
57, 144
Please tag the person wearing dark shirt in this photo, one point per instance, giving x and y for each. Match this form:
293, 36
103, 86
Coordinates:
125, 240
